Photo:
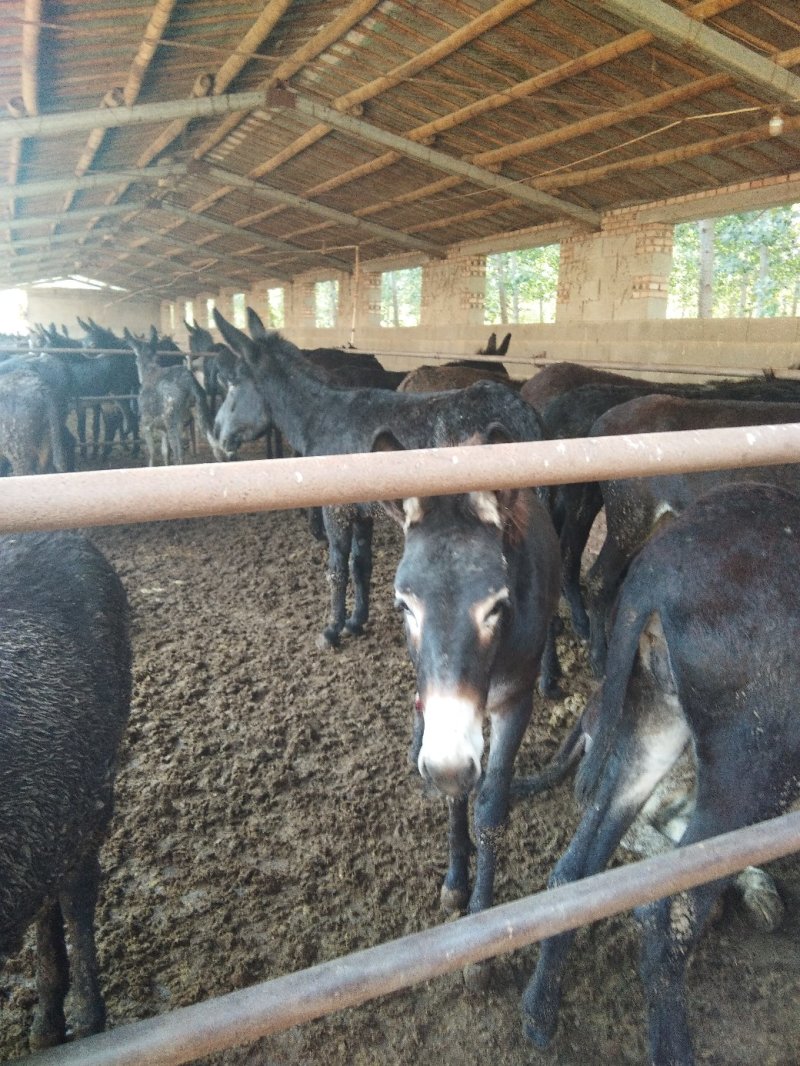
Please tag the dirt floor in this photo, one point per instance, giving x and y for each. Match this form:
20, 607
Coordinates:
267, 819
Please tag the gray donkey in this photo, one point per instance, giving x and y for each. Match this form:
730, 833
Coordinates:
169, 396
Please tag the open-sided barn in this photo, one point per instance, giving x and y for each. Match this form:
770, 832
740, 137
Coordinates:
187, 155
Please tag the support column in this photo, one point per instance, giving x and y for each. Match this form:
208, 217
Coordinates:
620, 273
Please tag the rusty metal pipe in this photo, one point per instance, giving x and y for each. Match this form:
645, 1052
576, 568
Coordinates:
243, 1016
103, 497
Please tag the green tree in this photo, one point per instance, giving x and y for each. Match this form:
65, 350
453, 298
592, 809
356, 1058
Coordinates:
401, 297
521, 286
756, 265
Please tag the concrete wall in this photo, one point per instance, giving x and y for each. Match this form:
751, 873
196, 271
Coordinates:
63, 306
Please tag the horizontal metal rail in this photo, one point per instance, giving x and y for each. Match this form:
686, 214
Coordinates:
113, 497
244, 1016
621, 366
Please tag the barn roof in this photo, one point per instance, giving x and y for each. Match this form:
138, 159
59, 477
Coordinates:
183, 145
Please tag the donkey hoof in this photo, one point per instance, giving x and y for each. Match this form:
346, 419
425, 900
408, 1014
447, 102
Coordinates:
760, 895
478, 976
355, 629
536, 1036
453, 900
328, 640
550, 689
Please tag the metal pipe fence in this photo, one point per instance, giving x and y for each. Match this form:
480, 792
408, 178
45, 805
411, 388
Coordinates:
123, 496
243, 1016
114, 497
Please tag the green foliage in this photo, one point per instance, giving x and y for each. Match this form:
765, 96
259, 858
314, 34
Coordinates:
276, 314
401, 297
756, 265
521, 286
326, 303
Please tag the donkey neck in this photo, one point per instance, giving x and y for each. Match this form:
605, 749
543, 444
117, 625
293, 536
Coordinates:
309, 411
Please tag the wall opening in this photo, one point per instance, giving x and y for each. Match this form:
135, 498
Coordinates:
210, 305
188, 312
521, 286
13, 311
239, 303
738, 266
326, 303
401, 297
276, 308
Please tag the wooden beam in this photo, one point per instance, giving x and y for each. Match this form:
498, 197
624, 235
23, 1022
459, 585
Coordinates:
567, 179
683, 32
79, 215
100, 180
441, 161
328, 35
272, 243
355, 225
572, 68
154, 31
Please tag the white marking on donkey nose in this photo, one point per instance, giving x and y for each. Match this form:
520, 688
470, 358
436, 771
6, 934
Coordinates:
452, 744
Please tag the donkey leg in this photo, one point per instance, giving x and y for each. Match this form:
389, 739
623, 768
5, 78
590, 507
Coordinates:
455, 889
492, 801
149, 444
574, 534
96, 410
361, 573
550, 669
670, 929
603, 581
52, 978
80, 418
78, 903
596, 837
339, 530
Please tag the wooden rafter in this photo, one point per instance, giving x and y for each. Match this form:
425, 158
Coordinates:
735, 59
154, 31
29, 85
572, 68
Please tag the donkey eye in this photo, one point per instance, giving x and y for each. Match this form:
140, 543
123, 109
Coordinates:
400, 604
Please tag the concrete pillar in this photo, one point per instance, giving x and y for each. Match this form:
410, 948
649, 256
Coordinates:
369, 304
454, 290
620, 273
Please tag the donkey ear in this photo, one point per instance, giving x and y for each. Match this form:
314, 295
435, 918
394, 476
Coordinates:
238, 341
153, 335
491, 345
504, 345
227, 364
496, 433
258, 331
84, 326
385, 441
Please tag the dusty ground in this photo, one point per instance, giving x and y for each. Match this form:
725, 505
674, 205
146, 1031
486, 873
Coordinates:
267, 820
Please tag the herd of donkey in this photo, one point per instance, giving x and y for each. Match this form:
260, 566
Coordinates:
691, 612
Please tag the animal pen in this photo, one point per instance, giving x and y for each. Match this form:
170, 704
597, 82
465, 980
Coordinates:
59, 501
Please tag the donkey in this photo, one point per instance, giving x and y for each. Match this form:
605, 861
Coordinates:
574, 413
167, 398
478, 586
635, 506
275, 382
33, 436
65, 659
703, 651
201, 343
